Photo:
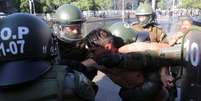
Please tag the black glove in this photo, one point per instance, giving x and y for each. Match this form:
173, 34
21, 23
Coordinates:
110, 60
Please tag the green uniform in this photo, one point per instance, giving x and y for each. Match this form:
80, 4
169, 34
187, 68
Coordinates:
51, 87
69, 41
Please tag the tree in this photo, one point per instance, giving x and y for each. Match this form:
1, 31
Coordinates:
45, 6
190, 4
89, 4
24, 5
104, 4
161, 4
42, 6
84, 4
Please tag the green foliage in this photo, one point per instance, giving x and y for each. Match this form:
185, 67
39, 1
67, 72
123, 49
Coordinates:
24, 5
84, 4
104, 4
93, 4
44, 6
161, 4
190, 4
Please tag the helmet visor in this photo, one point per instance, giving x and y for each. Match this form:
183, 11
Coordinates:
71, 32
143, 18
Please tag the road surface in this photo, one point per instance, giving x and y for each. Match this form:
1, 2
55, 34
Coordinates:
108, 91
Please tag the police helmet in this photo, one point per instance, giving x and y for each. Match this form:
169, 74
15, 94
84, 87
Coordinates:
67, 16
145, 9
123, 31
24, 48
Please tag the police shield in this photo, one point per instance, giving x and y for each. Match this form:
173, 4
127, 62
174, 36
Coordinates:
191, 82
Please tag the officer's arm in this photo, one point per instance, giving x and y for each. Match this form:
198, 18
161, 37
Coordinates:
142, 46
141, 60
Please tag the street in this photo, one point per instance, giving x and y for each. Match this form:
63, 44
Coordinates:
108, 91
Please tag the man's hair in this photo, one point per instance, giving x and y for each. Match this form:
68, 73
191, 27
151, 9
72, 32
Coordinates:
100, 37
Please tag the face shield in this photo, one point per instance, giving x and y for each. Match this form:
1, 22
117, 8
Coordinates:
69, 33
143, 19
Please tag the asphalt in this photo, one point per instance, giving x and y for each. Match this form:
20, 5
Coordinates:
108, 91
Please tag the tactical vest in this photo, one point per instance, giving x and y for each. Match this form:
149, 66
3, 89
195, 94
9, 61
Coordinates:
47, 88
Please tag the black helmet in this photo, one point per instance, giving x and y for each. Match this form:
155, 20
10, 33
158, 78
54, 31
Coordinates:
24, 47
67, 16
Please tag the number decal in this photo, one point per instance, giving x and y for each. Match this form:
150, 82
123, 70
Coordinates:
6, 33
13, 43
2, 49
192, 53
21, 43
13, 47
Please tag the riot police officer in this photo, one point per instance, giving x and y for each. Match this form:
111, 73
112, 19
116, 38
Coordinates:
69, 35
146, 22
27, 71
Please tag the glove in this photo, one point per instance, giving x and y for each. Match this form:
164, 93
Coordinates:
109, 60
